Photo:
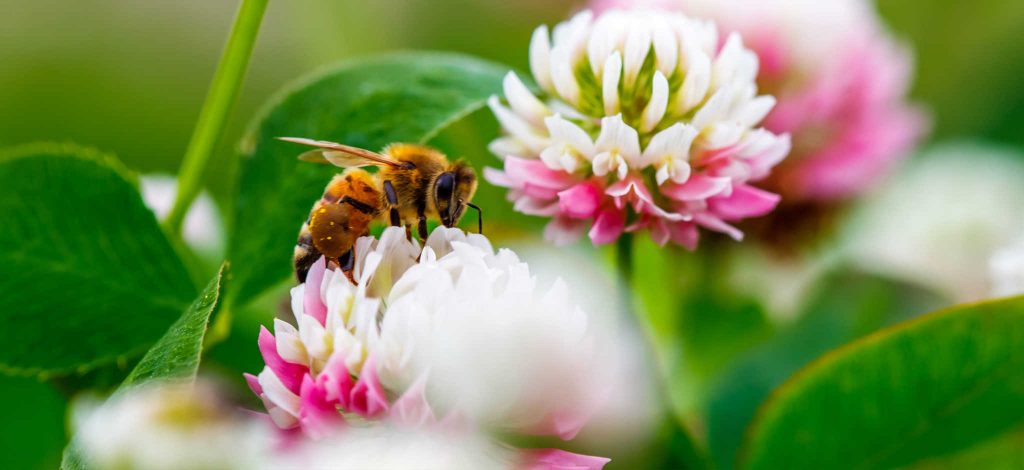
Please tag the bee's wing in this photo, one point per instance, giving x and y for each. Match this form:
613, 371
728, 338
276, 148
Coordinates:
339, 155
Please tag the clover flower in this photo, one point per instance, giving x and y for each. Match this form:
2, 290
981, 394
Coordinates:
169, 425
1006, 268
643, 123
938, 221
841, 81
453, 336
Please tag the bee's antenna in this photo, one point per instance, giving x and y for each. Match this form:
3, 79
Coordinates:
479, 217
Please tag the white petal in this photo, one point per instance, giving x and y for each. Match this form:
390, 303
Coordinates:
540, 58
278, 393
697, 80
656, 107
516, 126
638, 43
715, 108
662, 175
562, 75
670, 143
314, 337
566, 132
618, 137
604, 40
522, 101
601, 163
623, 169
289, 345
755, 110
505, 146
666, 48
721, 135
680, 171
610, 83
727, 62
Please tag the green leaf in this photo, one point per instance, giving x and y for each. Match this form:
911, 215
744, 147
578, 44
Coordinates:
174, 357
925, 387
87, 275
177, 354
847, 305
369, 103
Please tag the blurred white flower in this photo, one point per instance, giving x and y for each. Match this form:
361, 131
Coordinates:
1007, 270
202, 228
939, 220
170, 426
497, 347
386, 448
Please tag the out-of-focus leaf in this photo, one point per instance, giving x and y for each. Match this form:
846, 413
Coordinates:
925, 387
174, 357
847, 305
369, 103
1005, 452
87, 275
32, 431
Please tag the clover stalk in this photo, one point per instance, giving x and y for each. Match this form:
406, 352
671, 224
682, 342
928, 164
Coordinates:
227, 81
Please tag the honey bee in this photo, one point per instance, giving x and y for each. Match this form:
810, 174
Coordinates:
413, 182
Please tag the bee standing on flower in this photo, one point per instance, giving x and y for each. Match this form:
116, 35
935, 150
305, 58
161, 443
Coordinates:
414, 182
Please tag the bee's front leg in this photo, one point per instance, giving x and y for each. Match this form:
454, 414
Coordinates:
423, 226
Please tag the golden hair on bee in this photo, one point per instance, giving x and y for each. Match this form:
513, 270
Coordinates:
414, 183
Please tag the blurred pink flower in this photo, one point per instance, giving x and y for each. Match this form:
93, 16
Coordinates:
644, 123
327, 370
841, 81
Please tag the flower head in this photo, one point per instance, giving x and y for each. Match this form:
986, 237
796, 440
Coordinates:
645, 123
170, 425
841, 80
1007, 270
452, 336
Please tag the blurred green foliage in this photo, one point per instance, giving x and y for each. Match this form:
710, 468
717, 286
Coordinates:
129, 77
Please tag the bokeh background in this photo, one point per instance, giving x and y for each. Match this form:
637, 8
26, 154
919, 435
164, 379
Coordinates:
129, 77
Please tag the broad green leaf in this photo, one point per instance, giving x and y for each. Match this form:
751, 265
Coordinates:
369, 103
32, 431
922, 388
847, 305
87, 275
174, 357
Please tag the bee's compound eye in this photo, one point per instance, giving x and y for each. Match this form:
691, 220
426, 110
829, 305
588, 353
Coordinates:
445, 187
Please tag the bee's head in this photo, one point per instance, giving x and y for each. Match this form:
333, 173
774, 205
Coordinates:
453, 191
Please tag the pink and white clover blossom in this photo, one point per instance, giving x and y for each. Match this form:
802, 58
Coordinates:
643, 123
452, 337
841, 81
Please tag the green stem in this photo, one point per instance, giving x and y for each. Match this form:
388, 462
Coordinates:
684, 450
219, 100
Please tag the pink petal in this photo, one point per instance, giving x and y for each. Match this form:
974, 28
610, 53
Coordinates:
557, 459
684, 234
745, 201
290, 374
697, 188
368, 398
562, 231
536, 173
498, 178
607, 227
319, 417
580, 201
412, 408
714, 223
312, 303
336, 380
254, 383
